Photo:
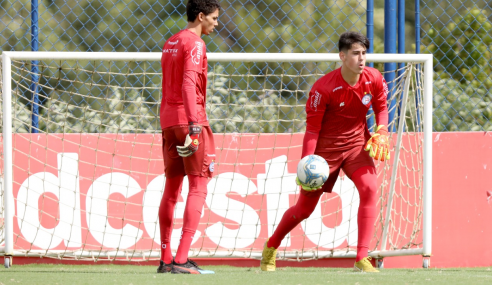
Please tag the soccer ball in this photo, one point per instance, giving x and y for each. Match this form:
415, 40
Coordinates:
312, 171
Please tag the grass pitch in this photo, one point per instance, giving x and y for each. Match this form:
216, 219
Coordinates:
128, 274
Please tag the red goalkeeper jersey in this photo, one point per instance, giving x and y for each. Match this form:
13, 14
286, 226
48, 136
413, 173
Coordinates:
337, 111
183, 52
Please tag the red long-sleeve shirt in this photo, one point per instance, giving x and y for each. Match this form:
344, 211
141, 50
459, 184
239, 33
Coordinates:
336, 112
184, 80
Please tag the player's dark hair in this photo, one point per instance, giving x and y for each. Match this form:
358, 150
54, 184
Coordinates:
195, 7
347, 39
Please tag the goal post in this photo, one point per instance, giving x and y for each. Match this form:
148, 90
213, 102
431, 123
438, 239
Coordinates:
87, 185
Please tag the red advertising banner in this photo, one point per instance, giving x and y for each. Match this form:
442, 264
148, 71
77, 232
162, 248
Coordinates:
102, 192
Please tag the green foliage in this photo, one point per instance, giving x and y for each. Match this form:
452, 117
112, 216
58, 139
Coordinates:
245, 26
463, 61
115, 114
460, 39
463, 48
461, 107
128, 25
125, 25
13, 24
251, 110
21, 117
81, 96
289, 26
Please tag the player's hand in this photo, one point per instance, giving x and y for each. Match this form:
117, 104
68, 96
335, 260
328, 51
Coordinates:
191, 142
378, 144
307, 188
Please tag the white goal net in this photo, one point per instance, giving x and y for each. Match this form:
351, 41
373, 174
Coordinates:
82, 168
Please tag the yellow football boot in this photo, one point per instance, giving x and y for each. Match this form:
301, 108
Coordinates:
364, 265
268, 258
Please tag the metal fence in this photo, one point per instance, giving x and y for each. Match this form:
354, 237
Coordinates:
458, 33
128, 25
245, 26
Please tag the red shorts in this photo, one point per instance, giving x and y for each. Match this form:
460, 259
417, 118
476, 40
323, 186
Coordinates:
201, 163
349, 160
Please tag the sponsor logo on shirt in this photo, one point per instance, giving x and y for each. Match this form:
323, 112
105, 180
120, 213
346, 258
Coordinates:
368, 82
173, 43
338, 88
170, 50
196, 53
366, 99
315, 100
342, 104
385, 87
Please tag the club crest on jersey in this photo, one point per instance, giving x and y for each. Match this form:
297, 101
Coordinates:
196, 53
211, 167
366, 99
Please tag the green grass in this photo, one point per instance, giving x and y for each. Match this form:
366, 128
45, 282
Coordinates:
128, 274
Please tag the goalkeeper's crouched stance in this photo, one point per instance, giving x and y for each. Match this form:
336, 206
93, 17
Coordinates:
336, 130
187, 140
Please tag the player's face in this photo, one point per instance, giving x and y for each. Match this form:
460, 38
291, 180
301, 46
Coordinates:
355, 58
209, 22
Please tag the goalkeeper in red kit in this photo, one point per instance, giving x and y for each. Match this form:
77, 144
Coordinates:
187, 141
336, 129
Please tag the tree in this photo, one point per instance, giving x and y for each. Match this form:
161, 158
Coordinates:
463, 62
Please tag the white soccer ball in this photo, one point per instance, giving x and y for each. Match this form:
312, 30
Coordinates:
312, 171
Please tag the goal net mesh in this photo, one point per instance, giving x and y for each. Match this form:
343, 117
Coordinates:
88, 170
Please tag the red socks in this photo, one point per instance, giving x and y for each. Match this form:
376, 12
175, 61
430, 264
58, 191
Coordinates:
193, 212
365, 179
166, 254
294, 215
172, 191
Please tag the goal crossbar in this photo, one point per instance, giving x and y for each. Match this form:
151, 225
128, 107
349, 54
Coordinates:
214, 56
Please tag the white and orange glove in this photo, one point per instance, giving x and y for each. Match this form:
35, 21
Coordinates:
191, 142
378, 144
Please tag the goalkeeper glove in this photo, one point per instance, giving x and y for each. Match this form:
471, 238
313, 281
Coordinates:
307, 188
378, 144
191, 142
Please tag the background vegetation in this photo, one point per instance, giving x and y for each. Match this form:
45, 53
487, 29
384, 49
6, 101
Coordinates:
459, 36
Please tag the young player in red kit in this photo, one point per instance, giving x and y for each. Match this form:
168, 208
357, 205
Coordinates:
336, 130
188, 146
